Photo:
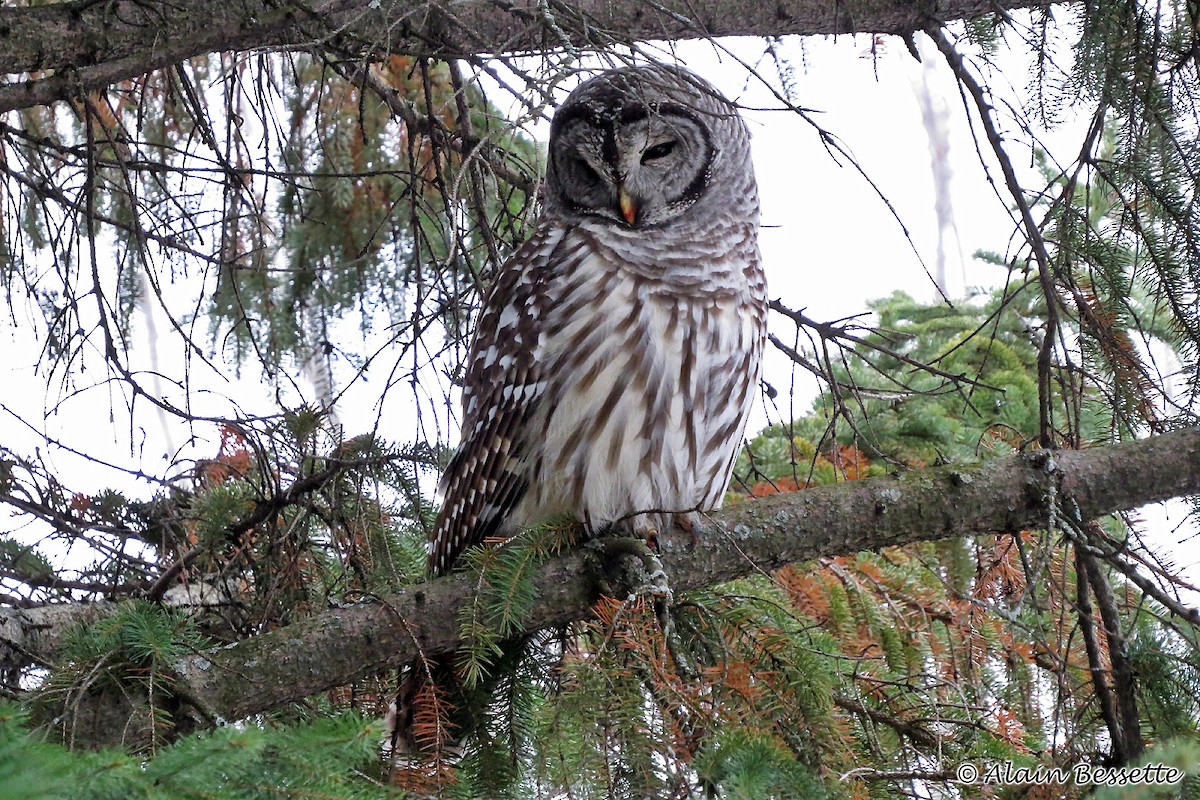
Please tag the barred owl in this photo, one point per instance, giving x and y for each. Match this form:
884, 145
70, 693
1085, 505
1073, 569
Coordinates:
616, 356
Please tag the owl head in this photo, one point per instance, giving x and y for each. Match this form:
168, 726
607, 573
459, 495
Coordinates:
642, 147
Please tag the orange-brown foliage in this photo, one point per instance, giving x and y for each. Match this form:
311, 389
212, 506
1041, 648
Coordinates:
777, 486
850, 462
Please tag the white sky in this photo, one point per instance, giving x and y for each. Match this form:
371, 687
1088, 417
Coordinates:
829, 244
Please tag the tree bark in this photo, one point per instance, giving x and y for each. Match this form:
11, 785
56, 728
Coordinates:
1001, 496
88, 45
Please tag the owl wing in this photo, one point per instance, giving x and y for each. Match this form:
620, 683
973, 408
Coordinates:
504, 385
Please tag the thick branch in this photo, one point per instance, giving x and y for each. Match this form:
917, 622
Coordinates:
1005, 495
89, 45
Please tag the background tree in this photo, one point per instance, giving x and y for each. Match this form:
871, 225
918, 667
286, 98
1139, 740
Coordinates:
201, 200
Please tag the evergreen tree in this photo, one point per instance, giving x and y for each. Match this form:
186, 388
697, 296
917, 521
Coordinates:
330, 208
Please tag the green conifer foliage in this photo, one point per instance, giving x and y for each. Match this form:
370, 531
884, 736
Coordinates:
981, 615
322, 758
280, 208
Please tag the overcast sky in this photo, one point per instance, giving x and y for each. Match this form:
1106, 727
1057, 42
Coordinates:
829, 243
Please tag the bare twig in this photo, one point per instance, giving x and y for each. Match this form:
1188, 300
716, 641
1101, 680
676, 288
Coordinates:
1033, 233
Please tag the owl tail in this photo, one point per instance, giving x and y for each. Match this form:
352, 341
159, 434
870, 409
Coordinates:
434, 715
421, 743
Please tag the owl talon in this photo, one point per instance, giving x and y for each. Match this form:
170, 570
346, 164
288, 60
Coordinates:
652, 539
651, 580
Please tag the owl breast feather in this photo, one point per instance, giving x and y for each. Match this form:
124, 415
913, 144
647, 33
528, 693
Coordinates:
646, 396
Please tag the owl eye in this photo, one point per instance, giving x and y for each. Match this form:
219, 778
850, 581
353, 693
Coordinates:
586, 172
661, 150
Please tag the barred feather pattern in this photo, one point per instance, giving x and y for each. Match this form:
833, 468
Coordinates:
614, 365
616, 356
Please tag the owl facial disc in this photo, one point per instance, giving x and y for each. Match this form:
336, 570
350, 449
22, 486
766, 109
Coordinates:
636, 147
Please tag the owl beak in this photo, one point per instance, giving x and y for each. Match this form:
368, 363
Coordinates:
629, 208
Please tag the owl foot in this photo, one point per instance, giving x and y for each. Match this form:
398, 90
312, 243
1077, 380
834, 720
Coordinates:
633, 569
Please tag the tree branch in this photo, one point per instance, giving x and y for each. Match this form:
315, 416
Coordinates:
89, 45
1005, 495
